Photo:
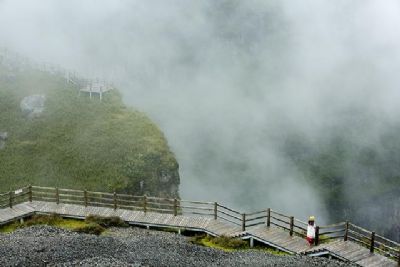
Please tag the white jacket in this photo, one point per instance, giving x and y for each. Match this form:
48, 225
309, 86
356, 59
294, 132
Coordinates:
311, 231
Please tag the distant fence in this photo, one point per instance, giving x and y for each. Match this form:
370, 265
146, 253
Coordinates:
268, 217
16, 62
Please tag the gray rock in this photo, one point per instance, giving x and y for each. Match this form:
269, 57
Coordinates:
33, 105
48, 246
3, 138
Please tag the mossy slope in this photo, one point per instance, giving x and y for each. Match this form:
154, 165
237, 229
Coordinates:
80, 143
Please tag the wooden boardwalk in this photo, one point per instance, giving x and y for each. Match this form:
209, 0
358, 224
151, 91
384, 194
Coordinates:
352, 252
267, 227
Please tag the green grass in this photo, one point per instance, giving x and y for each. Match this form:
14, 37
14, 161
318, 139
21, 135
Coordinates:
106, 222
52, 220
80, 143
91, 225
229, 244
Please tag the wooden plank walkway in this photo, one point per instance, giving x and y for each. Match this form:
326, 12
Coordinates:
153, 219
353, 252
272, 236
279, 238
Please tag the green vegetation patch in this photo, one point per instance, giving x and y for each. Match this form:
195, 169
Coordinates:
230, 244
91, 225
106, 222
52, 220
80, 143
223, 242
90, 228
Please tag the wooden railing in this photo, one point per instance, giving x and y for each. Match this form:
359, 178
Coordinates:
271, 217
12, 198
268, 217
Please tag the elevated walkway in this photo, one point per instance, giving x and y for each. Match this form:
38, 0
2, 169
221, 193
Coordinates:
268, 227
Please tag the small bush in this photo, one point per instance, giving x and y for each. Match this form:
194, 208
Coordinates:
91, 228
198, 239
228, 242
106, 222
224, 242
52, 219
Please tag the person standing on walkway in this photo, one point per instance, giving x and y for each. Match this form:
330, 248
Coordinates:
311, 230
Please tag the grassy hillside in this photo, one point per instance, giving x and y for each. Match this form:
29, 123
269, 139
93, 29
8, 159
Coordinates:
78, 142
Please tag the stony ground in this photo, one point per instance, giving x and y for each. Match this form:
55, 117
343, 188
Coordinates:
48, 246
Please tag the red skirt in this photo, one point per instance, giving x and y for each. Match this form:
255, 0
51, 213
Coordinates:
310, 240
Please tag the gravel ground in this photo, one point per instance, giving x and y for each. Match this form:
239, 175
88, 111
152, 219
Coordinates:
48, 246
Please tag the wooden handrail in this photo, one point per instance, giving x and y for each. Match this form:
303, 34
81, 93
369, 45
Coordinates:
230, 215
174, 206
256, 212
333, 225
280, 214
231, 210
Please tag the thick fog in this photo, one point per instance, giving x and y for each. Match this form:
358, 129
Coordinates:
228, 81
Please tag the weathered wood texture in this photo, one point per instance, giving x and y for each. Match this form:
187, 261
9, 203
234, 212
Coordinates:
342, 240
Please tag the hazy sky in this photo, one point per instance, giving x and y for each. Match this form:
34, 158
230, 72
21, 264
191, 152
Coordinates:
228, 80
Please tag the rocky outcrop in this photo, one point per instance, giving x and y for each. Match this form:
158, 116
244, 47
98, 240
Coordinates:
169, 182
3, 139
33, 106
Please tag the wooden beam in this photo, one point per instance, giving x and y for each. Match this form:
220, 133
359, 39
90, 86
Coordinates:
30, 193
145, 203
215, 210
268, 217
11, 199
316, 241
175, 207
372, 245
291, 225
57, 196
243, 222
346, 231
85, 197
115, 200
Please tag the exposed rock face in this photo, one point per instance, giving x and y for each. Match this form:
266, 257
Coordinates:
3, 138
169, 181
33, 105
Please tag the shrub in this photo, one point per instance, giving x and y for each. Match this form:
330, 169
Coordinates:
42, 219
224, 242
91, 228
198, 239
228, 242
106, 222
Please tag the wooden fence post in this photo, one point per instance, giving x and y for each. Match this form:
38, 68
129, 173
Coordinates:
316, 241
85, 197
268, 217
115, 200
372, 245
175, 207
11, 199
57, 196
215, 210
346, 231
30, 193
398, 257
243, 222
291, 225
145, 203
